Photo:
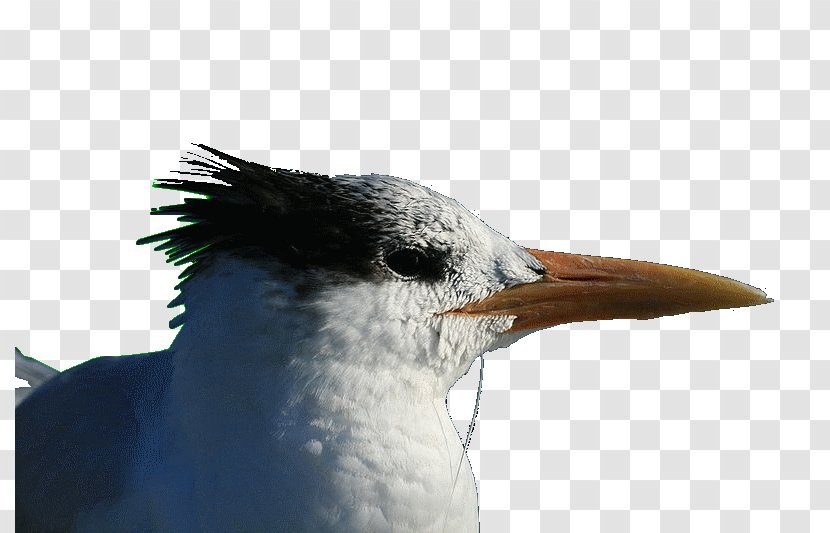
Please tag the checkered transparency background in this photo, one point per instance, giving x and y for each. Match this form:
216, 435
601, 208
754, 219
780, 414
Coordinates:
691, 133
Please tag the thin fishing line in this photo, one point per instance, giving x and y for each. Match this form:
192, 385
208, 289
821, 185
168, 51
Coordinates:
467, 440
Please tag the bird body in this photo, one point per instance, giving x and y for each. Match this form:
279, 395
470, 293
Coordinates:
325, 320
252, 424
292, 421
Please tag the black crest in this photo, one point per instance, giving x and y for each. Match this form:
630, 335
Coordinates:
301, 218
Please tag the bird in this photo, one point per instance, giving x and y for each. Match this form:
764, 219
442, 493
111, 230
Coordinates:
323, 321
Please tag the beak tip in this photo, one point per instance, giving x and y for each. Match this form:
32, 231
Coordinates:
761, 297
755, 297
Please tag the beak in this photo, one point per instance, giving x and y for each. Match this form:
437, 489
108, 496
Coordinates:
578, 288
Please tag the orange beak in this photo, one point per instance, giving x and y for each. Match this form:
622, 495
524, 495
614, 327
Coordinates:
579, 288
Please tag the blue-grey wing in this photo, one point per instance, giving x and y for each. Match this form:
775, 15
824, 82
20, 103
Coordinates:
77, 437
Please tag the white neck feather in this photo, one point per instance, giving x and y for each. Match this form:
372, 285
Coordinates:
355, 406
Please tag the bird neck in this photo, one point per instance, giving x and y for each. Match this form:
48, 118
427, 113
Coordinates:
248, 336
320, 411
310, 423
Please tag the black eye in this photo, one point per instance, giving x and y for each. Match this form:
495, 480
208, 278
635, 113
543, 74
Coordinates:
414, 263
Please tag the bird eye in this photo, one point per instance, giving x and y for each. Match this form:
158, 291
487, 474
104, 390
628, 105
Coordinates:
412, 263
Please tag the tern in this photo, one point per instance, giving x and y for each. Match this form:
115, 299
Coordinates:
324, 321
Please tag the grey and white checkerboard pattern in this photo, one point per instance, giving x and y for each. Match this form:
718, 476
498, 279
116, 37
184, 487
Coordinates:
692, 133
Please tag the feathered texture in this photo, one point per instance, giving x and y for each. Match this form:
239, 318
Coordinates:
300, 219
319, 230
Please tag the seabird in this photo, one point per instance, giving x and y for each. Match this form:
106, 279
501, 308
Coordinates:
324, 321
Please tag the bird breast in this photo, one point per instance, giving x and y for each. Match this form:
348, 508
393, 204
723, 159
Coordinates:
318, 456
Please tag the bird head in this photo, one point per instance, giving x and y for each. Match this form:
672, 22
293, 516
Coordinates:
379, 267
